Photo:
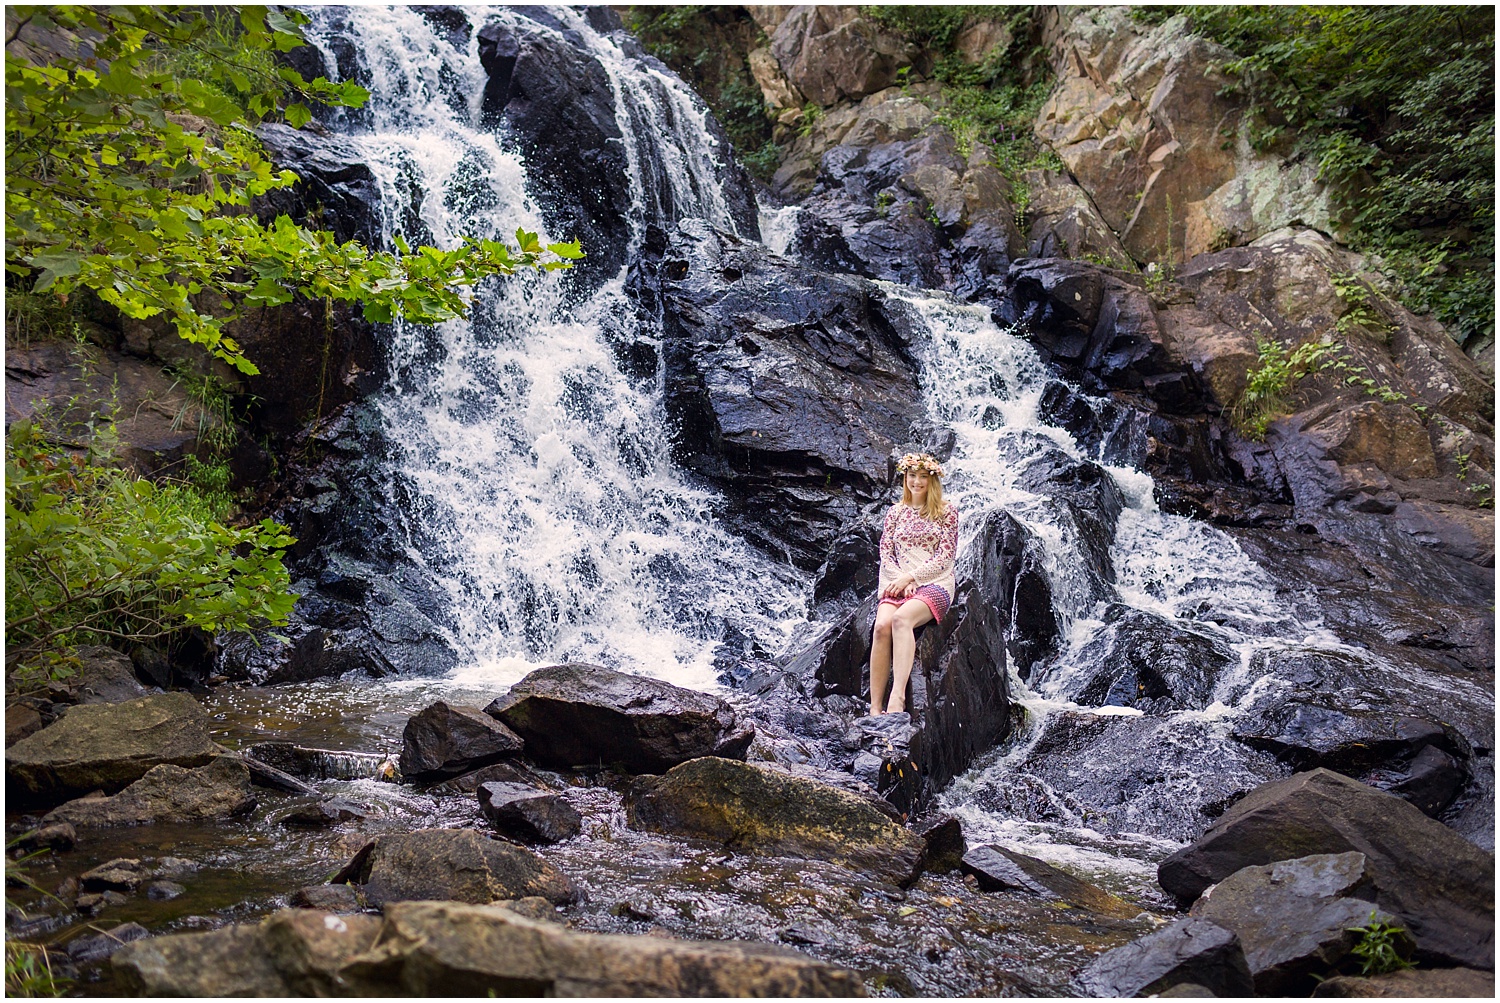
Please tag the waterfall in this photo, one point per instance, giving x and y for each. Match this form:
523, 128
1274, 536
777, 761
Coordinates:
531, 469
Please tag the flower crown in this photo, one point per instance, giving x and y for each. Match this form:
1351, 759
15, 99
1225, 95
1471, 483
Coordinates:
924, 462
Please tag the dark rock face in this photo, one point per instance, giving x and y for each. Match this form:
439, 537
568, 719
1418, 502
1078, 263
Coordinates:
757, 809
576, 715
458, 865
332, 179
1147, 661
555, 98
788, 388
109, 746
1438, 884
1430, 983
168, 793
325, 898
1189, 951
999, 869
502, 772
946, 846
91, 950
525, 813
445, 740
324, 812
105, 676
1297, 919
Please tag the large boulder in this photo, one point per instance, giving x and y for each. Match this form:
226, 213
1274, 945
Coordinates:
523, 812
168, 794
108, 746
998, 868
1439, 885
578, 715
461, 865
105, 675
830, 53
452, 949
1420, 983
445, 740
1297, 920
1190, 951
758, 809
1147, 661
787, 387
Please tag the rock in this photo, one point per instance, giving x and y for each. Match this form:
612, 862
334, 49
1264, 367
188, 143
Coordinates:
105, 676
579, 715
461, 865
505, 773
1297, 919
93, 903
173, 867
1146, 661
164, 891
315, 764
1000, 869
756, 809
444, 740
1065, 224
1420, 983
109, 746
894, 115
57, 837
1189, 951
944, 836
786, 387
452, 949
20, 721
1439, 885
830, 52
91, 950
525, 813
333, 178
326, 898
290, 953
168, 794
328, 811
120, 875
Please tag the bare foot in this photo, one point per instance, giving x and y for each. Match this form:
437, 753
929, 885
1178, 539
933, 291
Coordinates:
875, 712
894, 709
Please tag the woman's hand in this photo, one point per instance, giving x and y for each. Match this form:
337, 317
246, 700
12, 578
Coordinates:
901, 588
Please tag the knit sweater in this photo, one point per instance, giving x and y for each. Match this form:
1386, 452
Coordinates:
913, 545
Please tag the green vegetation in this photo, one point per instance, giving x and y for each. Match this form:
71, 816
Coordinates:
95, 554
1396, 107
1378, 950
705, 45
130, 170
28, 971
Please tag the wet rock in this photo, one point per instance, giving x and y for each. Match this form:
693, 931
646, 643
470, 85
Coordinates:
326, 898
525, 813
173, 867
93, 903
944, 836
1432, 780
1440, 885
1146, 661
164, 891
332, 176
505, 773
326, 812
57, 837
460, 865
443, 740
263, 775
168, 794
123, 874
1000, 869
1189, 951
20, 721
786, 387
1419, 983
578, 715
91, 950
532, 907
291, 953
109, 746
316, 764
452, 949
1297, 919
757, 809
1086, 495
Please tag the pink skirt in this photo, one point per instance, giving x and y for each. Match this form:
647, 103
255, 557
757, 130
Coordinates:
935, 596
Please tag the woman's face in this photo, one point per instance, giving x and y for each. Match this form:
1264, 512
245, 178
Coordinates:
916, 483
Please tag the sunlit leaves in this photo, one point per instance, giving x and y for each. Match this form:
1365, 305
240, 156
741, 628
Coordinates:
130, 168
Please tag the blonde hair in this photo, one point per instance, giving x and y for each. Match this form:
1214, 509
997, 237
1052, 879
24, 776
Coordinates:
933, 507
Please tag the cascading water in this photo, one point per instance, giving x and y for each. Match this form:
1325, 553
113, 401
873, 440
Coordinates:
532, 469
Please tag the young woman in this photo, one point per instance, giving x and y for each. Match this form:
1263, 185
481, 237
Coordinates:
917, 548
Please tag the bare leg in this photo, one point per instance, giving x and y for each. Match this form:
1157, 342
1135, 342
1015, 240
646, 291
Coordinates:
912, 614
880, 658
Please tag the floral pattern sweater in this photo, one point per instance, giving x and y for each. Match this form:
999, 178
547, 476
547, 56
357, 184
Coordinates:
913, 545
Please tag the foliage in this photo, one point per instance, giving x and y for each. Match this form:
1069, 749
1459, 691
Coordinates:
1396, 106
1378, 950
703, 44
1278, 370
97, 555
131, 171
28, 971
